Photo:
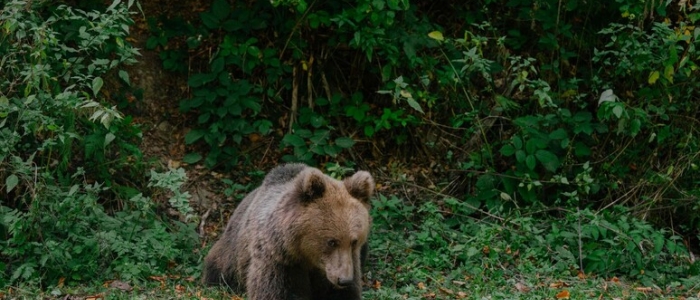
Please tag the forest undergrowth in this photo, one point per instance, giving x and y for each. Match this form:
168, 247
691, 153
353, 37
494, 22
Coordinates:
522, 149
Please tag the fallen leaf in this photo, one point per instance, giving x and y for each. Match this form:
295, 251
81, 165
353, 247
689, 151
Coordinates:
121, 285
643, 289
486, 250
95, 297
377, 284
254, 137
563, 295
421, 286
556, 285
161, 279
520, 287
180, 289
615, 280
61, 281
581, 275
461, 295
446, 291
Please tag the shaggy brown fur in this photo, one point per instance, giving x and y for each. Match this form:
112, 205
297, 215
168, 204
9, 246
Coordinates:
300, 235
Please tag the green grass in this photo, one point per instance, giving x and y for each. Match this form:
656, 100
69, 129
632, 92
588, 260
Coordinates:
477, 288
434, 250
536, 286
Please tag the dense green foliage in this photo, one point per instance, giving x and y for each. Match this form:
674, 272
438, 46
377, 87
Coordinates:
555, 104
70, 207
507, 113
571, 109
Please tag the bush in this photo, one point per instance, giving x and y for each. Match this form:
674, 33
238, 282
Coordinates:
534, 105
531, 93
62, 210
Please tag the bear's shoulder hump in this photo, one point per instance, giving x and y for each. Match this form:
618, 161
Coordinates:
283, 174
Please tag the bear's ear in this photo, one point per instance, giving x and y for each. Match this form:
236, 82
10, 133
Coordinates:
360, 185
312, 185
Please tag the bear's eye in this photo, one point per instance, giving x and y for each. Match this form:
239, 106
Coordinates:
332, 243
354, 243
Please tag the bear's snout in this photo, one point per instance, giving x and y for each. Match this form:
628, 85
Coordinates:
340, 268
345, 282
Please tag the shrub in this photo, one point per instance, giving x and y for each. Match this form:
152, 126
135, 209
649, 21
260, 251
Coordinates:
62, 216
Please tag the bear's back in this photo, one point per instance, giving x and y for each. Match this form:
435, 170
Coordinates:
283, 174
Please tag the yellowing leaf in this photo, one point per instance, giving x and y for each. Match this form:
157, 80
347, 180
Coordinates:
653, 77
563, 295
668, 73
436, 35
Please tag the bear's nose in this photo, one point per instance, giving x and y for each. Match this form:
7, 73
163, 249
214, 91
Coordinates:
344, 282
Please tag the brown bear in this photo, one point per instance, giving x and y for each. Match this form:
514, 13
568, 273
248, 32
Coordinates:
301, 235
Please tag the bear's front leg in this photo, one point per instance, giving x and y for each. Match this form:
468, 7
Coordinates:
268, 280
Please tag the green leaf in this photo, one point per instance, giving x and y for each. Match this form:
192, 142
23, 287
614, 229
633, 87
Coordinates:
254, 51
198, 80
564, 143
209, 20
344, 142
294, 140
635, 127
369, 131
73, 189
252, 103
414, 104
217, 65
530, 162
507, 150
330, 150
11, 182
109, 137
124, 76
436, 35
220, 9
263, 126
520, 156
653, 77
617, 110
305, 133
301, 6
97, 83
517, 142
193, 136
320, 137
531, 146
548, 160
668, 73
658, 243
558, 134
191, 158
316, 121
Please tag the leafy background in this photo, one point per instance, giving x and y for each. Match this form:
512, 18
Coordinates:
518, 146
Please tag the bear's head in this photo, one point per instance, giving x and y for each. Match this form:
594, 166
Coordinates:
332, 222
